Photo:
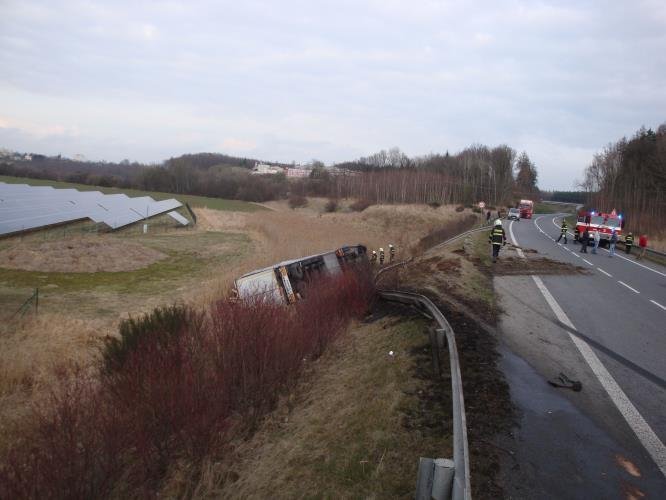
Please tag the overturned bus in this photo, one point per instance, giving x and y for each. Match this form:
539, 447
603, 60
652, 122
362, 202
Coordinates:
284, 283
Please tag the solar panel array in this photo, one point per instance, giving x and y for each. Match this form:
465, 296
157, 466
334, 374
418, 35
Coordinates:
24, 207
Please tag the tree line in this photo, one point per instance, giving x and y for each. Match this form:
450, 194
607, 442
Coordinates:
630, 176
496, 175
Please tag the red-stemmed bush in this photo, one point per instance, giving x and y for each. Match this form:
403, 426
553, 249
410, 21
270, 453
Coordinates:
182, 393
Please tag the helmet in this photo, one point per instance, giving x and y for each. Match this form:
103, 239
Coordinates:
498, 222
374, 252
381, 249
390, 246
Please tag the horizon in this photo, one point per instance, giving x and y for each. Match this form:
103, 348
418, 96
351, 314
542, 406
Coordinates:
332, 81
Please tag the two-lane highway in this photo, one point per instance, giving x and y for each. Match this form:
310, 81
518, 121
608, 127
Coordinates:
613, 315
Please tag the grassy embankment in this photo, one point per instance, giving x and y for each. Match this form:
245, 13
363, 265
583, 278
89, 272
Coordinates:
274, 235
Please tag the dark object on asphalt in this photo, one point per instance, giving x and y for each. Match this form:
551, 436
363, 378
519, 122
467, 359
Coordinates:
566, 383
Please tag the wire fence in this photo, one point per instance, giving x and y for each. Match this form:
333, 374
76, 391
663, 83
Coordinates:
30, 304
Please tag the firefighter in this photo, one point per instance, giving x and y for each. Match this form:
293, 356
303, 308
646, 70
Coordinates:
391, 253
628, 243
563, 232
577, 234
497, 238
381, 256
585, 240
373, 258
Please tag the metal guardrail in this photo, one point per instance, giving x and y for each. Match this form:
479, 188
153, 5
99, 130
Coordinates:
442, 478
461, 235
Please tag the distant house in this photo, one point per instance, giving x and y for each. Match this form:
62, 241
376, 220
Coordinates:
266, 169
297, 172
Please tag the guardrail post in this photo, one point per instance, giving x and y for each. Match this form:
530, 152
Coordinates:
442, 483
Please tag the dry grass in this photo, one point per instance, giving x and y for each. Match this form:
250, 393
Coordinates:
76, 309
352, 429
79, 255
32, 352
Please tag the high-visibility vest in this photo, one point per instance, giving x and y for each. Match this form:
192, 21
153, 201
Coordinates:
629, 240
496, 236
564, 228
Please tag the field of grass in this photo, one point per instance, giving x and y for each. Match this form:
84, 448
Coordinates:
548, 208
354, 429
194, 201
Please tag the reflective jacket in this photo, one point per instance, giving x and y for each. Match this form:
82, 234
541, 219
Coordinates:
564, 228
629, 240
497, 236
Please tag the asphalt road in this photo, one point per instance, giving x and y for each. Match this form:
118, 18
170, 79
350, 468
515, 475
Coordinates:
605, 327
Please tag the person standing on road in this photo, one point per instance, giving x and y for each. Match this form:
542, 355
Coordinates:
628, 243
373, 257
391, 253
497, 238
597, 239
612, 242
563, 232
642, 244
488, 217
585, 240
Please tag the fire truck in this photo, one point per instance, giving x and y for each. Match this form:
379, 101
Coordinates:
526, 208
601, 222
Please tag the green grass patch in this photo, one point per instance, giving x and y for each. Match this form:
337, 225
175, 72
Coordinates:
547, 208
194, 201
185, 261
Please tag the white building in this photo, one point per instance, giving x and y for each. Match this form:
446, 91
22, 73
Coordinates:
264, 168
296, 172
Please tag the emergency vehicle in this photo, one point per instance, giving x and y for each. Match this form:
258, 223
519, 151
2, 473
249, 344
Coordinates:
526, 208
601, 222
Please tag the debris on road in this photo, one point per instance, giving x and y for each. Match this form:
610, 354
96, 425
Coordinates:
565, 382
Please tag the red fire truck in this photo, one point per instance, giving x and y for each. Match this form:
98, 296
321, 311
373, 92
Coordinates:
526, 208
602, 222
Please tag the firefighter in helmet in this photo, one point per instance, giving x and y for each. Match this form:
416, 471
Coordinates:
373, 258
391, 253
628, 242
381, 256
497, 238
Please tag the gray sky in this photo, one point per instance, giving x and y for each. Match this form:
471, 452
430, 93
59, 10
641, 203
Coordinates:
334, 80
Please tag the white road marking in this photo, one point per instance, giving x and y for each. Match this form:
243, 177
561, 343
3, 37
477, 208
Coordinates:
641, 428
628, 260
658, 304
514, 242
602, 271
575, 254
632, 289
590, 263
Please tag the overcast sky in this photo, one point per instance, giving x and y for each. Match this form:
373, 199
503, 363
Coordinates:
332, 80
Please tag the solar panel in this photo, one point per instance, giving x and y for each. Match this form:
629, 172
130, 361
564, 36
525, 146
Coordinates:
179, 218
24, 207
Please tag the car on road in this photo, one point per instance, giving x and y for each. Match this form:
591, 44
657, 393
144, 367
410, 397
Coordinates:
514, 214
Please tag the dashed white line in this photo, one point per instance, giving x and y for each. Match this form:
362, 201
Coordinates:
658, 304
632, 289
575, 255
654, 446
590, 263
602, 271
